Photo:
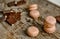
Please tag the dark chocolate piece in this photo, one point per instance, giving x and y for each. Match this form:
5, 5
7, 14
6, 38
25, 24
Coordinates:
58, 19
12, 17
18, 3
17, 15
21, 2
11, 4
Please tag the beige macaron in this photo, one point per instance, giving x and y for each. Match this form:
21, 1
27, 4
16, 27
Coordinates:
33, 7
50, 20
34, 14
48, 25
33, 31
50, 30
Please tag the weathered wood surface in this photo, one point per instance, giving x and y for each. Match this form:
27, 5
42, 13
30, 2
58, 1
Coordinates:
17, 31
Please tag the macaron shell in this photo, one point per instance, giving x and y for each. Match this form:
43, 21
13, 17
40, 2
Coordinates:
33, 31
33, 7
50, 30
35, 14
50, 19
48, 25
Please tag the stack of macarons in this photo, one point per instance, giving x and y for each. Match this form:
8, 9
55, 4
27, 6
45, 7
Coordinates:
49, 24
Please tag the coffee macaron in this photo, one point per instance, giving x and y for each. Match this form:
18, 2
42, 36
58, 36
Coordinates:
49, 24
50, 20
32, 31
34, 14
33, 7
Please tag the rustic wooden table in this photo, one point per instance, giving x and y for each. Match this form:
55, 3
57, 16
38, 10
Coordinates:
17, 31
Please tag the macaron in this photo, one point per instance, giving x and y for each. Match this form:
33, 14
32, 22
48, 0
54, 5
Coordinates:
50, 30
34, 14
33, 7
33, 31
50, 20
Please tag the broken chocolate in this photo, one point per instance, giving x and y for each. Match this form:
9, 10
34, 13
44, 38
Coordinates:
12, 17
18, 3
58, 19
21, 2
11, 4
17, 15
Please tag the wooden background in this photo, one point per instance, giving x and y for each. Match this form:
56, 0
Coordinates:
17, 31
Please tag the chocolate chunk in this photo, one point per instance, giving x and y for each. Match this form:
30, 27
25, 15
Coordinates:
17, 15
11, 4
12, 17
58, 19
18, 3
11, 20
21, 2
